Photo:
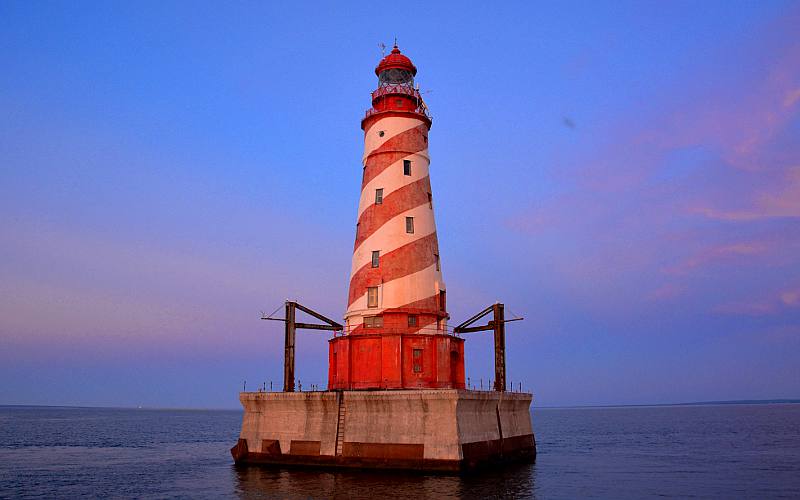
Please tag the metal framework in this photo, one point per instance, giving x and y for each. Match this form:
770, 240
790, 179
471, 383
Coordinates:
498, 326
290, 332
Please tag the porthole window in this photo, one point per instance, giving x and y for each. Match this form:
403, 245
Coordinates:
380, 133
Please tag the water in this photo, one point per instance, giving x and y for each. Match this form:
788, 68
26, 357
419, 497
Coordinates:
704, 451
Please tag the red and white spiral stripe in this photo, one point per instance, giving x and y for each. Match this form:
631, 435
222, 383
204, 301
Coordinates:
408, 277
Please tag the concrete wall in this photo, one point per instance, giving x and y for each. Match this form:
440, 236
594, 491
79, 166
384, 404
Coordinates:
287, 416
432, 426
424, 417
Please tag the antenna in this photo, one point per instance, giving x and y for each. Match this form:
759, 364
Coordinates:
383, 49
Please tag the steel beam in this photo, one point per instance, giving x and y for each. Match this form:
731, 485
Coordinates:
288, 361
499, 348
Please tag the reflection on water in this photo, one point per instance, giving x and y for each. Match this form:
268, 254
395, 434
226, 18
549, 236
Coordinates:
515, 481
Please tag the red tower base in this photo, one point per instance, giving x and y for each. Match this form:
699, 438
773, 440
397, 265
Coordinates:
432, 430
390, 360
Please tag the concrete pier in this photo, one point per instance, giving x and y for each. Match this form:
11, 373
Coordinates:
437, 430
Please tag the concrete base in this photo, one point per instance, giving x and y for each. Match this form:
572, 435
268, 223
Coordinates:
435, 430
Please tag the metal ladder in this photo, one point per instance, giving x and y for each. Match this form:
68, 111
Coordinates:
340, 426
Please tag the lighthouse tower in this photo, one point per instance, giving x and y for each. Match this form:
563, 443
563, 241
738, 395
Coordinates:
396, 320
396, 396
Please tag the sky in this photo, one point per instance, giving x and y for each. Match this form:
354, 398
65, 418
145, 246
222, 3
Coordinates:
623, 175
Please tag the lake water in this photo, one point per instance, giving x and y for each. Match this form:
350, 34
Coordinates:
728, 451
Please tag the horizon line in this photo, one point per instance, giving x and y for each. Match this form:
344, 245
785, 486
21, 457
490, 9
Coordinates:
637, 405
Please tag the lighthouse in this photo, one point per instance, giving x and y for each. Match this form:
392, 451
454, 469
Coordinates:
396, 318
396, 395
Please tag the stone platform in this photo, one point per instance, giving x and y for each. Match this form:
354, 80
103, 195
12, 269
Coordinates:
433, 430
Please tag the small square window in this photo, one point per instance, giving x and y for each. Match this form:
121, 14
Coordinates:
372, 296
406, 167
412, 320
376, 258
379, 196
373, 321
417, 360
410, 225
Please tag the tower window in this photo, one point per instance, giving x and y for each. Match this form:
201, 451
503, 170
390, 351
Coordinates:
435, 256
410, 225
376, 258
442, 300
373, 321
412, 320
430, 200
417, 358
379, 196
381, 133
406, 167
372, 296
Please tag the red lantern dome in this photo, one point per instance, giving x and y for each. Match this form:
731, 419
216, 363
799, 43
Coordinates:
395, 60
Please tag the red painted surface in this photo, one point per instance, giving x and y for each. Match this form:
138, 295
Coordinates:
385, 360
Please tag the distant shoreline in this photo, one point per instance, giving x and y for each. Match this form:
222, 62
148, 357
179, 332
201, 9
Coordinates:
596, 406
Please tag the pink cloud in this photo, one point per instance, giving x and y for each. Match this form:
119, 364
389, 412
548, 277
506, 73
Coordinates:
666, 292
646, 198
791, 298
775, 303
780, 200
747, 308
792, 97
719, 253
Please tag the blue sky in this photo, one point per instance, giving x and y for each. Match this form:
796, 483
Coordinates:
626, 175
